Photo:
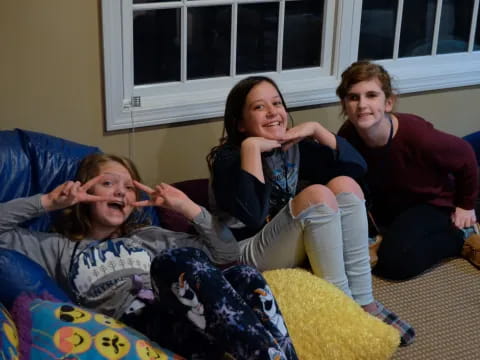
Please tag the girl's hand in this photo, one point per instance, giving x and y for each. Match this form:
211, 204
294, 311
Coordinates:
169, 197
71, 193
251, 154
463, 218
308, 129
260, 144
298, 133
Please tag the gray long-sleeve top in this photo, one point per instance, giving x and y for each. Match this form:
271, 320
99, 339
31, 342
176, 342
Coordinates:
105, 275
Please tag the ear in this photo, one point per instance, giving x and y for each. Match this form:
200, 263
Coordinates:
389, 103
240, 127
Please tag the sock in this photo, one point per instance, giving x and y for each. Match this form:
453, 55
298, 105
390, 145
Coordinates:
407, 333
469, 231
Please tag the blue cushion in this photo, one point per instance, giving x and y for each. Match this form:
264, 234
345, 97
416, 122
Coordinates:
19, 274
474, 140
33, 162
15, 171
53, 161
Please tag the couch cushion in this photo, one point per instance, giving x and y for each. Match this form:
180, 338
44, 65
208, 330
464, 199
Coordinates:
324, 323
53, 161
15, 171
19, 274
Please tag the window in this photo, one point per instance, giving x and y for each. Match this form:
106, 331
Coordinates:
172, 61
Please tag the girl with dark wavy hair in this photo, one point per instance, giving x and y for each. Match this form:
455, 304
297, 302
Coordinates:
289, 194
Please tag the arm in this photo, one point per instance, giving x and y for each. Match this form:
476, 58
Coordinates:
15, 212
322, 163
332, 152
217, 238
44, 248
456, 158
309, 129
237, 191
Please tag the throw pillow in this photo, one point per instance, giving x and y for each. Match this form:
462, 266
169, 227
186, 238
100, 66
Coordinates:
8, 336
324, 323
62, 330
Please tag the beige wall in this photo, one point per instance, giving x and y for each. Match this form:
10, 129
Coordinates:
51, 73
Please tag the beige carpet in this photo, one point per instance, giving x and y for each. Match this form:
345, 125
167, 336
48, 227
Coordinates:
444, 307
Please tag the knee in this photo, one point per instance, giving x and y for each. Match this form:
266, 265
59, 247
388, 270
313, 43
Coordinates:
313, 195
398, 262
345, 184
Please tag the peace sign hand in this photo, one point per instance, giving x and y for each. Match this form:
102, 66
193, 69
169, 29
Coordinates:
71, 193
169, 197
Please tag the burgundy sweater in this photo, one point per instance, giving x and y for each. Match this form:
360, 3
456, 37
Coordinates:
420, 165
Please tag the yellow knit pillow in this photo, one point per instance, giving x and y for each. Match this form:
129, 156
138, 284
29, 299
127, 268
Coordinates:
324, 323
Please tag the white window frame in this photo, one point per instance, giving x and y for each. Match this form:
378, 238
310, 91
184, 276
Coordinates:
201, 99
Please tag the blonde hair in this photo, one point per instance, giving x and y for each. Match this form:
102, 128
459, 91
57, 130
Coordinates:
74, 222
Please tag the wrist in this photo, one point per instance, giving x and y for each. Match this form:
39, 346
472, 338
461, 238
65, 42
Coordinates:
46, 202
250, 144
191, 211
325, 137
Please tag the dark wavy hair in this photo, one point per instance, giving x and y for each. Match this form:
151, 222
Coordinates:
234, 111
74, 222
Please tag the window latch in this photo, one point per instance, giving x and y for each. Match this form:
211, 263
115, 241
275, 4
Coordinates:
133, 102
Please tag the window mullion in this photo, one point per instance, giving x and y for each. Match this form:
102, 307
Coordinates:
281, 28
348, 34
233, 41
183, 43
436, 32
398, 29
127, 34
473, 26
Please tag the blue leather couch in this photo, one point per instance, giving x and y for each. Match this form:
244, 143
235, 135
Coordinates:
32, 163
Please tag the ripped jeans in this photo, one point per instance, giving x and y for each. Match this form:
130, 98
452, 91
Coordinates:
334, 242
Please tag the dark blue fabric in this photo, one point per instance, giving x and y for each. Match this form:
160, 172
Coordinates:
474, 140
15, 172
205, 312
33, 163
19, 274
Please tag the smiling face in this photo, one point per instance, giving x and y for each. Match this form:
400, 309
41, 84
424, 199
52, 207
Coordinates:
117, 183
264, 113
366, 104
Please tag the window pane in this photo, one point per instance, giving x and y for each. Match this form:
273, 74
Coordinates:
302, 39
208, 41
476, 45
418, 24
377, 29
257, 37
455, 26
156, 50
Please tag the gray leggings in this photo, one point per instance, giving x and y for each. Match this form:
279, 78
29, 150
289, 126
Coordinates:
335, 242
